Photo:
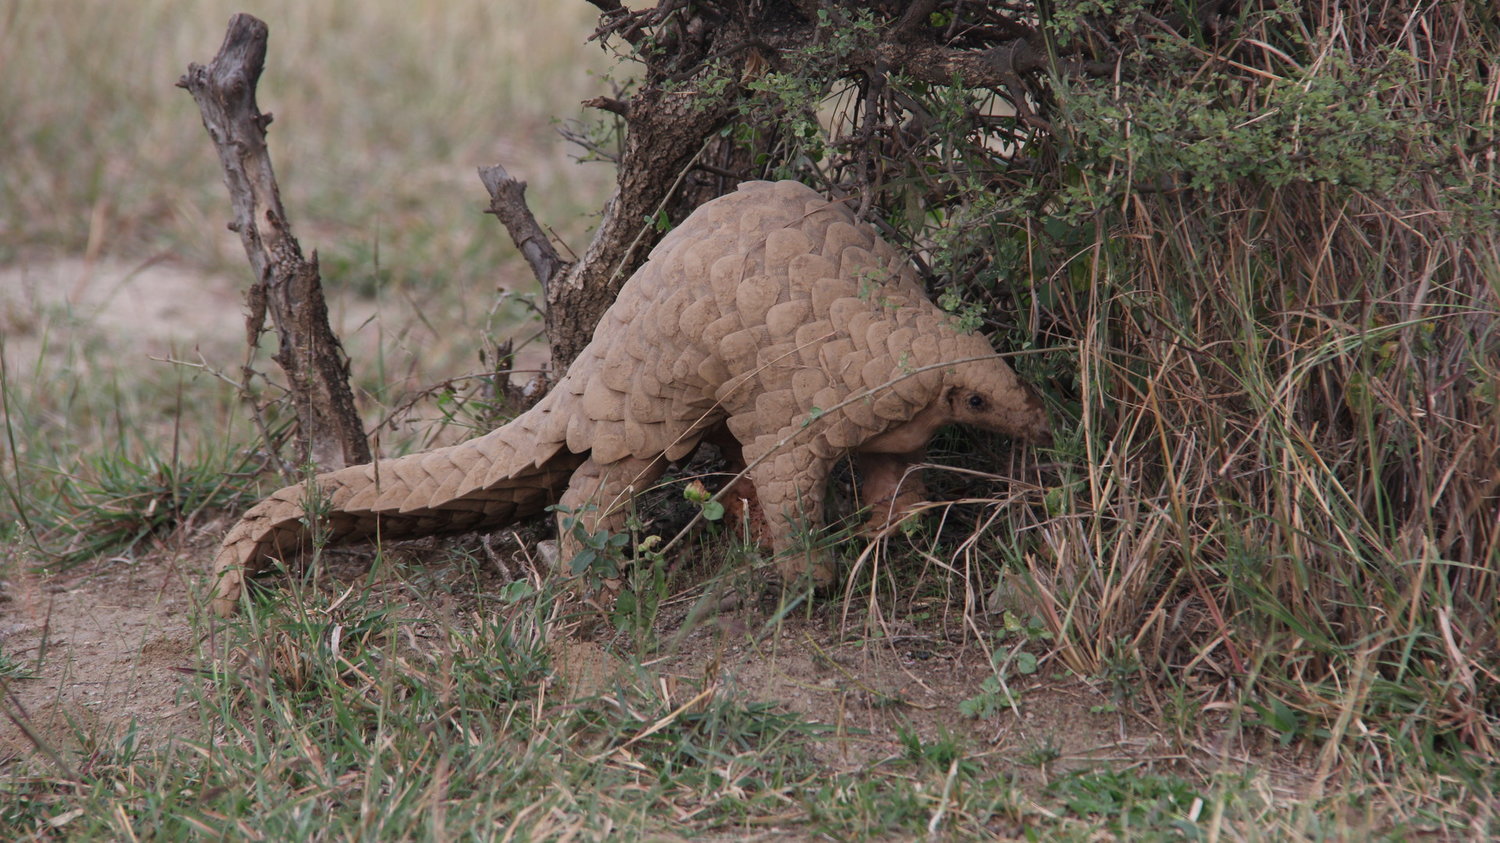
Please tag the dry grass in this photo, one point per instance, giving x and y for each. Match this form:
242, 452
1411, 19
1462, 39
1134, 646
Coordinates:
383, 111
1262, 264
1285, 498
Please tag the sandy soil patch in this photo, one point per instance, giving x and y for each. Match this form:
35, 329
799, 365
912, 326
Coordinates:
112, 641
143, 309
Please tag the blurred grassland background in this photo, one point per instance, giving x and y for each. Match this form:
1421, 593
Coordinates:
382, 112
113, 246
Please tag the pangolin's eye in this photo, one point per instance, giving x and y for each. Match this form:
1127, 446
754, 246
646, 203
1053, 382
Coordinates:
976, 402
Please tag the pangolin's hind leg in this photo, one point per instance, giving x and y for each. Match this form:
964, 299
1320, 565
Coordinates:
598, 499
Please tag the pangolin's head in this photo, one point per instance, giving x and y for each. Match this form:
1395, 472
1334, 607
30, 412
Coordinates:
986, 393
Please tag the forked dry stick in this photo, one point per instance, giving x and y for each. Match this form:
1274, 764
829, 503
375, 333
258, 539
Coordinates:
287, 285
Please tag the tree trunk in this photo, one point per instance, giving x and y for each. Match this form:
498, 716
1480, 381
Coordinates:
665, 133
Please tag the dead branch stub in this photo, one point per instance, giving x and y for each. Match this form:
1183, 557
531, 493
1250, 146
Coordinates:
287, 285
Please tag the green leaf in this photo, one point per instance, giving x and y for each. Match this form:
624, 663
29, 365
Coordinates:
515, 591
1026, 663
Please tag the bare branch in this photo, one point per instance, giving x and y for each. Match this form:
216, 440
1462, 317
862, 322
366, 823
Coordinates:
972, 68
508, 204
615, 19
610, 104
287, 285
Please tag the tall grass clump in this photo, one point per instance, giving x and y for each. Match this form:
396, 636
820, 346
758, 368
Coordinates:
1271, 249
1252, 252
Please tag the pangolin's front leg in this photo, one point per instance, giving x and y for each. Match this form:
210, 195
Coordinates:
598, 498
890, 487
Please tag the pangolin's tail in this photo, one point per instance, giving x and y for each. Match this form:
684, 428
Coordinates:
483, 483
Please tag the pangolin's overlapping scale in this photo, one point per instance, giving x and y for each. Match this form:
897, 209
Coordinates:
783, 248
844, 311
740, 351
844, 234
752, 301
698, 315
811, 337
725, 277
859, 324
830, 290
807, 386
852, 368
367, 501
858, 265
875, 334
784, 320
845, 432
833, 355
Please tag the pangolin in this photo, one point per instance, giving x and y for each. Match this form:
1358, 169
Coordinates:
770, 316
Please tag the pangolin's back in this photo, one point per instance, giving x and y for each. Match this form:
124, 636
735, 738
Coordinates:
727, 306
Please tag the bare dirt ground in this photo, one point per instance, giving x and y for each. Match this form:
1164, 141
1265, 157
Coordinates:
115, 644
108, 640
112, 640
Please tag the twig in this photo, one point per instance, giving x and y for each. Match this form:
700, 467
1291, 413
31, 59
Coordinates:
508, 204
613, 105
